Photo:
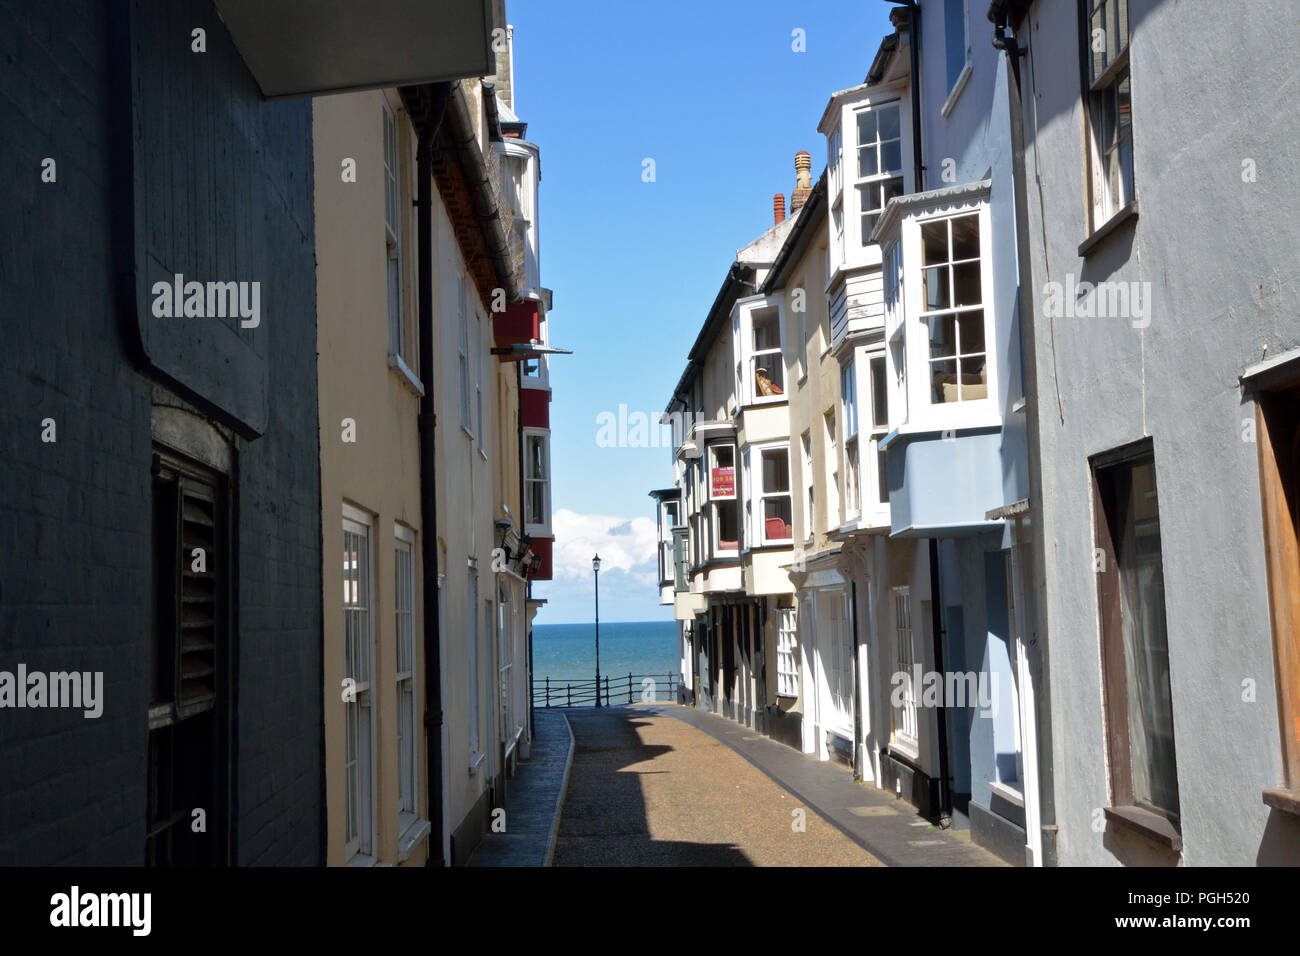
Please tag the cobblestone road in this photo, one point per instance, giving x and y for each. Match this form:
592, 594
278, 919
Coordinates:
647, 790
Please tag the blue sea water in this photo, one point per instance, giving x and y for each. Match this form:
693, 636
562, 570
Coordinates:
567, 652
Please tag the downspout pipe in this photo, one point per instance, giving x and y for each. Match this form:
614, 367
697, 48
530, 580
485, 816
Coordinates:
941, 712
998, 14
431, 120
914, 66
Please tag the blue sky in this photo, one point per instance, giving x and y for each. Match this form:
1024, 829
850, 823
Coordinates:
713, 93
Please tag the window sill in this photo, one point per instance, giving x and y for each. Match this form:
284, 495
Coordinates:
475, 761
1129, 211
469, 435
1288, 801
361, 860
951, 102
1008, 793
1150, 825
396, 362
906, 748
412, 837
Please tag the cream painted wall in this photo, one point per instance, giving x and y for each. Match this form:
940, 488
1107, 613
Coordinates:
356, 382
467, 507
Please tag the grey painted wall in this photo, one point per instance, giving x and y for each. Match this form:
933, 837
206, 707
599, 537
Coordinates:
1220, 255
75, 516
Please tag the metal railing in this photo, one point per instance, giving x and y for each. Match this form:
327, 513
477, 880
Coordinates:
626, 689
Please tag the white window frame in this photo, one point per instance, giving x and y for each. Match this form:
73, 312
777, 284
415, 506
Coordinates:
463, 355
833, 624
855, 182
849, 413
480, 427
787, 652
360, 819
801, 347
748, 360
393, 210
407, 723
717, 502
538, 529
809, 485
505, 659
904, 733
921, 412
832, 469
756, 494
472, 644
835, 191
875, 494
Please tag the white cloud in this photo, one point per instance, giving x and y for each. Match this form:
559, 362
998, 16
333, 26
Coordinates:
624, 544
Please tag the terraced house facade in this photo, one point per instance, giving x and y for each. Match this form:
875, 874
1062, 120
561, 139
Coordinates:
994, 611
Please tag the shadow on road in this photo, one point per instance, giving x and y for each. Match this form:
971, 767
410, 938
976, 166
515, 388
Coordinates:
605, 822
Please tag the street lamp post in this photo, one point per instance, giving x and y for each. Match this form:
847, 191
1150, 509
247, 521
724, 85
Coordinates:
595, 567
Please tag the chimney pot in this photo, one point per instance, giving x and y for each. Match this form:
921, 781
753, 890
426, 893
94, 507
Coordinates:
778, 208
802, 180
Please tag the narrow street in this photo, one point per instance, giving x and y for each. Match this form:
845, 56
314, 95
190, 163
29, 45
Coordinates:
649, 790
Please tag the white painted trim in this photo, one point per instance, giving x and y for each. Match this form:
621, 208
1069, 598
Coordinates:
411, 837
1007, 793
957, 87
395, 361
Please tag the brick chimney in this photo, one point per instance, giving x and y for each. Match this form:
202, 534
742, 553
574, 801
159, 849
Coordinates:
778, 209
802, 180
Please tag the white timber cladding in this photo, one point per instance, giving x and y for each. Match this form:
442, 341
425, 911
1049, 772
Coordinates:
358, 667
856, 305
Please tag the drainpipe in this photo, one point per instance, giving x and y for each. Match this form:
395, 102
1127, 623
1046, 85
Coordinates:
914, 59
857, 684
528, 586
432, 120
1038, 571
936, 626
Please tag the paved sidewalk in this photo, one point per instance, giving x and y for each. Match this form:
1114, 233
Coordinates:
535, 796
889, 828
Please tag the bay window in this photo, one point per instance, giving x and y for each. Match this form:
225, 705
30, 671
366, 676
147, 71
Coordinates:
772, 506
953, 308
879, 166
723, 519
537, 482
756, 329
